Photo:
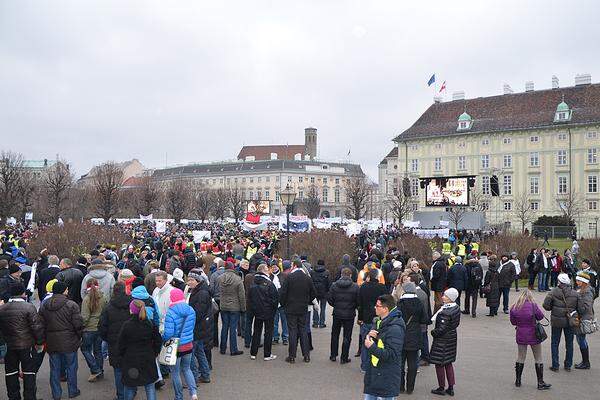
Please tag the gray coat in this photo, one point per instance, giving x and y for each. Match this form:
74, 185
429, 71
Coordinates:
555, 303
233, 295
585, 307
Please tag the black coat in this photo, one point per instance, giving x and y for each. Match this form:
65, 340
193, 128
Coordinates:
138, 346
263, 297
443, 349
297, 293
6, 282
45, 276
414, 316
507, 275
440, 275
72, 277
367, 297
474, 271
343, 297
457, 277
20, 325
112, 319
63, 324
321, 281
491, 279
201, 302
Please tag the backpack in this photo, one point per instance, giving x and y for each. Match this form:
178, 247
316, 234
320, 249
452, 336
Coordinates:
476, 273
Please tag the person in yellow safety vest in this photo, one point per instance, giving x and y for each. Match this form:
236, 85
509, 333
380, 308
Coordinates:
384, 346
362, 275
446, 248
461, 250
475, 246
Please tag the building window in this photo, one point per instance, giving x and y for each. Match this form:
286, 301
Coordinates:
462, 144
277, 212
507, 206
485, 161
485, 206
277, 195
251, 180
485, 142
562, 136
507, 163
268, 179
336, 195
414, 147
562, 116
221, 181
301, 194
592, 183
591, 135
534, 185
267, 195
506, 140
243, 180
415, 206
300, 179
534, 205
289, 179
337, 180
260, 179
325, 195
592, 156
534, 159
437, 164
324, 181
414, 165
251, 195
592, 205
534, 139
414, 187
462, 162
312, 179
485, 185
562, 185
337, 213
438, 146
592, 226
507, 187
561, 157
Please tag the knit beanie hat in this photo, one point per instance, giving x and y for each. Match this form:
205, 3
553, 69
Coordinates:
126, 273
59, 287
287, 265
50, 285
564, 279
583, 276
133, 308
176, 296
12, 268
452, 294
409, 287
178, 273
195, 274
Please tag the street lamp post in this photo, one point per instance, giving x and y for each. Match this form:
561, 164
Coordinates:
287, 196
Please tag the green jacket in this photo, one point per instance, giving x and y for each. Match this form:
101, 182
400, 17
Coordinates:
91, 320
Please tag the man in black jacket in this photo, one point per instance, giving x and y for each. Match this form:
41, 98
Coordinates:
368, 294
475, 277
22, 329
12, 279
297, 293
264, 300
457, 277
72, 277
343, 297
47, 274
322, 284
439, 277
201, 302
506, 272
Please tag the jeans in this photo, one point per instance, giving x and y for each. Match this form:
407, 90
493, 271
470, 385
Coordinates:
582, 341
58, 361
542, 281
119, 384
371, 397
183, 366
364, 353
130, 392
554, 279
504, 292
531, 277
347, 325
200, 368
319, 317
14, 359
91, 348
229, 319
258, 327
297, 327
555, 342
280, 314
410, 358
248, 319
425, 341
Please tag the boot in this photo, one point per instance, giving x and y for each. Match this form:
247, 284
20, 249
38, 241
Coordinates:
518, 373
585, 363
539, 371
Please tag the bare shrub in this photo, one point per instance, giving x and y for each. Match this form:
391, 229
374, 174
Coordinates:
74, 239
590, 248
416, 247
506, 244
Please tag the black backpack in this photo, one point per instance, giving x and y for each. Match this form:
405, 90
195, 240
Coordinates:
476, 272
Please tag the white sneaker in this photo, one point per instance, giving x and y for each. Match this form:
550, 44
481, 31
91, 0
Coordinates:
271, 357
253, 357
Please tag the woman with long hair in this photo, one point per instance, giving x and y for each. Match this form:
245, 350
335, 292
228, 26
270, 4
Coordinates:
523, 315
139, 344
91, 346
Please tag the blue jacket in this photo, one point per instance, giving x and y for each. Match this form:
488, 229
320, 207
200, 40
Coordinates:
152, 313
458, 277
174, 320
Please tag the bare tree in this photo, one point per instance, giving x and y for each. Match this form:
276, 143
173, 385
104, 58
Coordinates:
400, 205
220, 203
108, 179
177, 199
456, 215
572, 206
237, 202
357, 193
522, 209
311, 203
479, 202
26, 190
58, 181
146, 196
203, 202
11, 165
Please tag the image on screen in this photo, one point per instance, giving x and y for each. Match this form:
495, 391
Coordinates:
447, 192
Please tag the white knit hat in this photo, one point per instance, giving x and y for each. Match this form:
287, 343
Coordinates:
564, 279
451, 293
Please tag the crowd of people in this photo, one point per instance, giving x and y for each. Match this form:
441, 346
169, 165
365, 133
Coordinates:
152, 308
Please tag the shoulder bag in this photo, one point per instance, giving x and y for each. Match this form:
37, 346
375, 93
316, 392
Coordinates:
540, 332
572, 315
168, 351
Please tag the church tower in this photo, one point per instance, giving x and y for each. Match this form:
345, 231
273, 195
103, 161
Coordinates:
310, 143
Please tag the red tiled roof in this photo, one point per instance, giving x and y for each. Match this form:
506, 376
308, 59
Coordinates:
525, 110
284, 152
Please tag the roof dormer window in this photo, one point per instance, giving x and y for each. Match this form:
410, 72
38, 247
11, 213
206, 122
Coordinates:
563, 112
464, 122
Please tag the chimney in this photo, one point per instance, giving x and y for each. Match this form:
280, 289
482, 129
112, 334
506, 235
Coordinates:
529, 86
583, 79
554, 82
438, 99
460, 95
506, 89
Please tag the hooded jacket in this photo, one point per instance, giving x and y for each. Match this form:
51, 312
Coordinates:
233, 296
20, 325
443, 348
321, 281
343, 297
162, 298
105, 280
152, 312
179, 322
201, 302
63, 324
559, 301
263, 297
111, 320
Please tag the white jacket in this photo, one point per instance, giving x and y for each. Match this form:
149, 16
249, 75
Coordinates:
162, 298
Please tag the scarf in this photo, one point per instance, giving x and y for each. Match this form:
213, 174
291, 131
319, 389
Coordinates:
408, 296
276, 281
444, 307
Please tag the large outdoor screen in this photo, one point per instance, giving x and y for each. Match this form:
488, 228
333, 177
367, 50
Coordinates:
443, 192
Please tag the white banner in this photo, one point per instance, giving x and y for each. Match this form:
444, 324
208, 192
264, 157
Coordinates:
254, 227
161, 226
431, 233
11, 221
298, 223
199, 235
444, 223
411, 224
353, 228
28, 216
146, 217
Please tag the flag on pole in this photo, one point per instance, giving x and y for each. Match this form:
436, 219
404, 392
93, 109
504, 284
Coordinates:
431, 80
348, 152
443, 87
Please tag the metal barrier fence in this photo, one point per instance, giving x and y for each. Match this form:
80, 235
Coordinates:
554, 232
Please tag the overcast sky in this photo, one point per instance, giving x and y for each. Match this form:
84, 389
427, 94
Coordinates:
182, 82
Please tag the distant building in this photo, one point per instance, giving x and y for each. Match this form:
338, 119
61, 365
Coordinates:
37, 168
306, 151
131, 168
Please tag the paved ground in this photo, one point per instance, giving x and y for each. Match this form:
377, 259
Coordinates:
484, 370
